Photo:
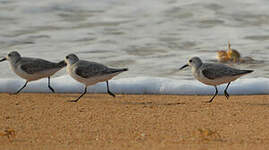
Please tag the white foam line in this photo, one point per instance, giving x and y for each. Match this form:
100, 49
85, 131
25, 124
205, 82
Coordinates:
139, 85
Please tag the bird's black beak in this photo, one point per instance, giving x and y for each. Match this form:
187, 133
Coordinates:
3, 59
183, 67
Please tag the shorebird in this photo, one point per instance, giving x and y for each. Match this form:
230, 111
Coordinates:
32, 69
89, 73
214, 74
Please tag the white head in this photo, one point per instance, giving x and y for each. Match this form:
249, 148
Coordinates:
71, 59
12, 57
194, 62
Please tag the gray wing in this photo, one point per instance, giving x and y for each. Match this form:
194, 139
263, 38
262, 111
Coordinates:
87, 69
32, 65
214, 71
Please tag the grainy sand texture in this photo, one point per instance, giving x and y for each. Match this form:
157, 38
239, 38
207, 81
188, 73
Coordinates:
98, 121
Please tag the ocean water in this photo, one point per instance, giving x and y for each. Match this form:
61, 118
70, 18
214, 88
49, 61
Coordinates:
152, 38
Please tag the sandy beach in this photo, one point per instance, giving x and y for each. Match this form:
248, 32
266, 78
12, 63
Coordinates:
99, 121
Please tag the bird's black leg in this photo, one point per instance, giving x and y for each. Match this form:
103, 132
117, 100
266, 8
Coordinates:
225, 91
50, 86
21, 88
108, 91
216, 93
85, 91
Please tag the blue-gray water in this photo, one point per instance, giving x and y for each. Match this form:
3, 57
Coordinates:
150, 37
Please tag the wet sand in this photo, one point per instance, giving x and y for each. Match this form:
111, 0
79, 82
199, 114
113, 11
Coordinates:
99, 121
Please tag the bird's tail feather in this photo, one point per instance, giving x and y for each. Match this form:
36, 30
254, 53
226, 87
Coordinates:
119, 70
245, 72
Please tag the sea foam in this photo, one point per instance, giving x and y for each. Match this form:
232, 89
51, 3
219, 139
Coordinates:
138, 85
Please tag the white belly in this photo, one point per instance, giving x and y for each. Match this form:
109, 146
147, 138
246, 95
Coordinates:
216, 81
34, 76
92, 80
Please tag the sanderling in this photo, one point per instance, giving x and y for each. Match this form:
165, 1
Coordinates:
32, 69
214, 74
89, 73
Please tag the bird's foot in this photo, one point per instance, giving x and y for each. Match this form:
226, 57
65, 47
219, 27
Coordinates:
226, 95
209, 101
72, 101
112, 94
52, 90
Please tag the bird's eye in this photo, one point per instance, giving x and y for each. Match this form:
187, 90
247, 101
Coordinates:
190, 61
9, 55
67, 57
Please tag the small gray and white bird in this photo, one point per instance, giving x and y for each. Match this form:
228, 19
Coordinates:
214, 74
90, 73
32, 69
